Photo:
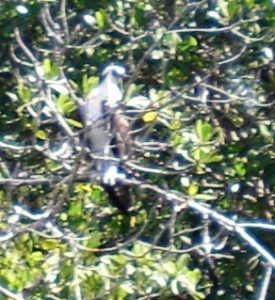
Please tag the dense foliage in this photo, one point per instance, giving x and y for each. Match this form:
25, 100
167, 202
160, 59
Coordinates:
201, 175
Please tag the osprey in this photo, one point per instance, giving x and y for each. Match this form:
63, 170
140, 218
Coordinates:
106, 133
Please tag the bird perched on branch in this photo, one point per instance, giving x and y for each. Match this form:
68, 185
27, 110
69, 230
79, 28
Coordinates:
106, 133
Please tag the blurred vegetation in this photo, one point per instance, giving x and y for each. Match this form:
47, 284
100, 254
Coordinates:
207, 68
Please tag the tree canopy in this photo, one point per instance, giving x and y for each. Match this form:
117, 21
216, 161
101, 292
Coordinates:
201, 173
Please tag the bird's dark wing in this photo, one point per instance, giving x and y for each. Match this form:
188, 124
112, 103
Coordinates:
119, 194
108, 135
122, 139
119, 197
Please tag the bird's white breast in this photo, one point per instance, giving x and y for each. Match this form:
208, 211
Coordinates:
114, 94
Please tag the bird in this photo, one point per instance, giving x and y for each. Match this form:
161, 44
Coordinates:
107, 133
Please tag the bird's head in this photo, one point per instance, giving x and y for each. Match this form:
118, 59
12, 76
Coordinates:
113, 71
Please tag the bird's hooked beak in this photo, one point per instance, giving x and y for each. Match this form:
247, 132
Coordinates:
125, 76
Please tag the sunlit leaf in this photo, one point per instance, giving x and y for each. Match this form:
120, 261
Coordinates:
94, 240
183, 261
240, 168
127, 287
169, 267
47, 64
149, 116
24, 93
232, 7
204, 131
75, 209
100, 19
193, 189
174, 287
223, 5
74, 123
41, 134
194, 276
48, 244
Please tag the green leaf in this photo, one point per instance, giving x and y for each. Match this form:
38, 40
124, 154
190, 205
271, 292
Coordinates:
24, 93
183, 261
127, 287
140, 249
74, 123
171, 40
192, 189
192, 41
49, 244
194, 276
232, 7
23, 238
249, 3
212, 158
13, 96
61, 100
206, 155
100, 19
201, 154
160, 279
47, 65
185, 282
75, 209
73, 84
68, 107
169, 267
240, 168
174, 287
223, 6
197, 154
65, 104
103, 269
149, 116
120, 259
69, 254
187, 43
204, 131
41, 134
51, 70
88, 83
36, 256
266, 132
94, 241
139, 102
132, 91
